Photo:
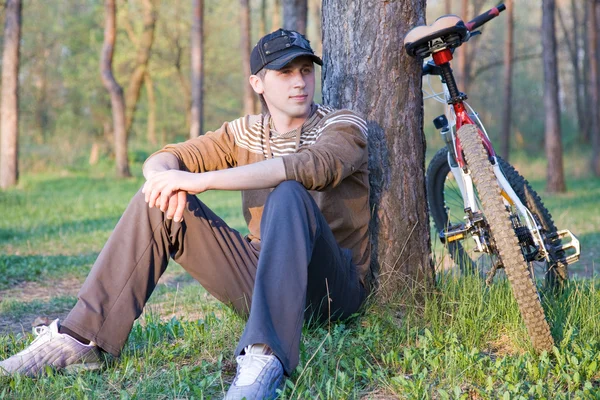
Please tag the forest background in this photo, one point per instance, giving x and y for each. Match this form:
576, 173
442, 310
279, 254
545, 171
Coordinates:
65, 109
464, 341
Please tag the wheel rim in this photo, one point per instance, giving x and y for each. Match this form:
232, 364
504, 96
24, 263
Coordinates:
463, 254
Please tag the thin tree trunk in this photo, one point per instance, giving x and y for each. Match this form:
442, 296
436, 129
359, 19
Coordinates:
116, 92
315, 14
573, 50
295, 13
586, 74
555, 175
249, 98
448, 6
197, 114
462, 53
276, 15
132, 94
594, 12
394, 113
151, 130
508, 67
9, 105
262, 27
582, 116
184, 82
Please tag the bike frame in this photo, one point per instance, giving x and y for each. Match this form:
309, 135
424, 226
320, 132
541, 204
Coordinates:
457, 115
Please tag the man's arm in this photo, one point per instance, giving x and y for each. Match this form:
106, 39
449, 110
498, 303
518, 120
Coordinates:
160, 162
161, 187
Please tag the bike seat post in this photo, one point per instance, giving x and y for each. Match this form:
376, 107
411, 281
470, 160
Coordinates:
442, 59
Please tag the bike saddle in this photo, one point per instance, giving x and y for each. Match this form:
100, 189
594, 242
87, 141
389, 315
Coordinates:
448, 31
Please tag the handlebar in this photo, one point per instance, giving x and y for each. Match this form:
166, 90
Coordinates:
485, 17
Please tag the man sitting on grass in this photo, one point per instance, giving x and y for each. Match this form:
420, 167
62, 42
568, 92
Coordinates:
302, 170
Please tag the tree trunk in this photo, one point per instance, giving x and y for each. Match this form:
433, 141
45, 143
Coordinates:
294, 15
448, 6
594, 12
555, 175
249, 98
151, 129
582, 116
508, 67
116, 92
315, 15
141, 65
387, 92
586, 74
276, 15
462, 59
9, 106
262, 27
571, 38
197, 114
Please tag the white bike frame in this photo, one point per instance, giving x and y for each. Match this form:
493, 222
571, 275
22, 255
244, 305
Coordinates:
465, 182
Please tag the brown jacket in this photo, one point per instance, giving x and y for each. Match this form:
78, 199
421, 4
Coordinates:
329, 158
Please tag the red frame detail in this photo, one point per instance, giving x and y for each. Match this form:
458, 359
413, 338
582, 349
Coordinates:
462, 117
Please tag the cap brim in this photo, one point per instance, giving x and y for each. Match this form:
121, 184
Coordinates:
288, 58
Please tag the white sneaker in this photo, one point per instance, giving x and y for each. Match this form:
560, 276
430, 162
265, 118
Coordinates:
259, 374
53, 349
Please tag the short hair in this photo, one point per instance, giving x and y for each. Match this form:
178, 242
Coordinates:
261, 74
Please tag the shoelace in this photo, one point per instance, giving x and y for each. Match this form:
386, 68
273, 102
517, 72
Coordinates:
251, 365
40, 330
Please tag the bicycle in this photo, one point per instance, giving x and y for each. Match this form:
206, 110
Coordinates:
487, 215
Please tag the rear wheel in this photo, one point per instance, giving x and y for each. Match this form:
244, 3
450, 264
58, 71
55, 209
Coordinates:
503, 239
447, 209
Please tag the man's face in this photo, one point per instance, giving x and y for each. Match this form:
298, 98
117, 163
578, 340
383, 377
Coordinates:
290, 90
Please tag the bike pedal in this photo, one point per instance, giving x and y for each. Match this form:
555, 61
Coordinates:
572, 246
454, 233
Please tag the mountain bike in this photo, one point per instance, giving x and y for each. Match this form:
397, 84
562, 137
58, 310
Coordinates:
487, 215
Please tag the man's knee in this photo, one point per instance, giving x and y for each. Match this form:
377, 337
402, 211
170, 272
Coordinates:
289, 189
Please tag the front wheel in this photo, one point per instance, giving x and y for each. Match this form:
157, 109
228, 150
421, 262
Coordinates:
504, 239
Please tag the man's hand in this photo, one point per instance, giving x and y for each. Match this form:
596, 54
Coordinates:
168, 191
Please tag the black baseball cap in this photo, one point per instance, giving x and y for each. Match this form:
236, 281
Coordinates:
278, 49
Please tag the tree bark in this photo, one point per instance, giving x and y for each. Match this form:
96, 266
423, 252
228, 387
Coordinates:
295, 13
249, 98
387, 92
132, 94
116, 91
197, 49
447, 6
553, 144
508, 67
9, 106
594, 26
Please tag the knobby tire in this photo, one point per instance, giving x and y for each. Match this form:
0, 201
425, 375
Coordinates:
554, 273
522, 283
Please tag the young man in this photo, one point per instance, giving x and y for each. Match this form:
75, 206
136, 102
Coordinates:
302, 170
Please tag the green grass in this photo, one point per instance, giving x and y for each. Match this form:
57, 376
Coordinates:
464, 341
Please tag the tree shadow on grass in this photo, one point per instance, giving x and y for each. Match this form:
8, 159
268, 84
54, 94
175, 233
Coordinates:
15, 269
49, 230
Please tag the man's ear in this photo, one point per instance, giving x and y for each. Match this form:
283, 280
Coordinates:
256, 84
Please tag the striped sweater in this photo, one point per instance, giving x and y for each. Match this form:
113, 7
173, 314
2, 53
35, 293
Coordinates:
329, 159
